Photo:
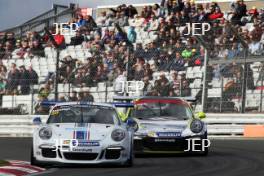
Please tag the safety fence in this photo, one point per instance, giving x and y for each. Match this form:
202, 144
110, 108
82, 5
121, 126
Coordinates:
219, 125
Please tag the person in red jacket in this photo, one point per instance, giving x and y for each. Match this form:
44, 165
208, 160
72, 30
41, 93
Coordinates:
60, 40
216, 14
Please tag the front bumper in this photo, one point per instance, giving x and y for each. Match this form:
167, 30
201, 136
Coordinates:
95, 155
166, 145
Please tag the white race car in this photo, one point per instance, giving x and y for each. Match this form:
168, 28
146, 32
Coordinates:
166, 125
82, 133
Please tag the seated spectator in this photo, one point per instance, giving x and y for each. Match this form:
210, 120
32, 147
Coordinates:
177, 63
80, 21
73, 96
164, 62
164, 85
121, 19
137, 21
85, 96
23, 51
44, 92
60, 41
174, 85
40, 108
36, 49
233, 52
139, 72
119, 83
101, 20
7, 51
90, 23
185, 89
78, 39
62, 98
147, 90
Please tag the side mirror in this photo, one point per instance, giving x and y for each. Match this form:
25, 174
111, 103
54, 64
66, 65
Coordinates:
131, 123
201, 115
37, 121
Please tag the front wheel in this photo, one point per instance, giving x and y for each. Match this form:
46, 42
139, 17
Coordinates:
34, 161
130, 161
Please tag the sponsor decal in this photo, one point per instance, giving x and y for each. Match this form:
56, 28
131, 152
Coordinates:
169, 134
81, 150
164, 140
88, 143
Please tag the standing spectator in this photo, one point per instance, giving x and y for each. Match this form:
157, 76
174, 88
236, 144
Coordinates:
24, 80
77, 39
33, 76
131, 34
239, 10
12, 79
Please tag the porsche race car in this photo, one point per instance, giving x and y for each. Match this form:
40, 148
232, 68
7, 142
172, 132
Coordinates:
166, 125
82, 133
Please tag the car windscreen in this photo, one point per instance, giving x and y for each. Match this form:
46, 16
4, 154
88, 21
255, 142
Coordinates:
165, 110
83, 114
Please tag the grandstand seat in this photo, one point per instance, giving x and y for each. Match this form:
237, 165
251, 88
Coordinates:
78, 47
19, 62
215, 92
194, 92
9, 101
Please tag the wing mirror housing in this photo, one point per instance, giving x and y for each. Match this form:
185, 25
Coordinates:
201, 115
37, 121
131, 123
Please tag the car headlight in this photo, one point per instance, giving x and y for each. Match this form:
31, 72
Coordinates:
45, 133
196, 126
118, 135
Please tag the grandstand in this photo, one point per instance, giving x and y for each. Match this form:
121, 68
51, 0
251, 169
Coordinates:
144, 42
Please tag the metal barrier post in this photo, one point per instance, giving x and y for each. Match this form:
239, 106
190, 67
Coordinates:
244, 84
56, 81
205, 81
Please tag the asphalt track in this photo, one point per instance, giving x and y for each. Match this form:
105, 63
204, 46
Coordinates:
226, 158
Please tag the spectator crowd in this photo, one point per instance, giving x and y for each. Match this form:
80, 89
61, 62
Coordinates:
126, 43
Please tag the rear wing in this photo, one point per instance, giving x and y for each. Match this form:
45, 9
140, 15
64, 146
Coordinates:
123, 105
131, 98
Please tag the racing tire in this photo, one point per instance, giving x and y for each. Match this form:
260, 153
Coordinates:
34, 161
130, 161
206, 151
